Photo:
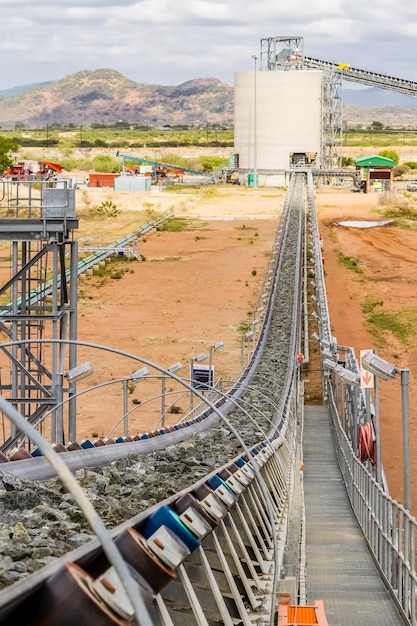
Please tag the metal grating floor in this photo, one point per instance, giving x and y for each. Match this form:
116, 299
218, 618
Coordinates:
340, 569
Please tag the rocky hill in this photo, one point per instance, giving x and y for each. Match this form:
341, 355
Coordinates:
106, 96
392, 116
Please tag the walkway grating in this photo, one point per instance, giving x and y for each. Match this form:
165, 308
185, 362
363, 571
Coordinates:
340, 569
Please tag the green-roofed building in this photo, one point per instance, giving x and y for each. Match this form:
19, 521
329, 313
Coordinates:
375, 172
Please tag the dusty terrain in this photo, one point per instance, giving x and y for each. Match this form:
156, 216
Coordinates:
199, 286
195, 288
385, 283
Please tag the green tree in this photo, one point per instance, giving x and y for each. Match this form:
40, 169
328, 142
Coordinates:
347, 161
390, 154
376, 125
6, 148
212, 163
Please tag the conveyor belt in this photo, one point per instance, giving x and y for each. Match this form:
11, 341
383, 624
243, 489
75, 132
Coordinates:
224, 574
364, 77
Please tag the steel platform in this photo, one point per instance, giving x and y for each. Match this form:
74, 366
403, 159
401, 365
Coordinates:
340, 568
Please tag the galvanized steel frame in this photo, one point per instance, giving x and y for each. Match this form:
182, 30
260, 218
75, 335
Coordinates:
390, 530
236, 560
39, 223
230, 576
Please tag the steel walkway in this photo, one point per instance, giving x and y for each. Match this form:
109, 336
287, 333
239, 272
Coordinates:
340, 569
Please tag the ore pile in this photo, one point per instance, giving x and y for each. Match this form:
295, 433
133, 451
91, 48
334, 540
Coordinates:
40, 521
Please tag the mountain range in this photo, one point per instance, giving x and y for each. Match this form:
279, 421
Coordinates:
105, 96
372, 97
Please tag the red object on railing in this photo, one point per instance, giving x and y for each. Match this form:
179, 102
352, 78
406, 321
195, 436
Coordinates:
366, 443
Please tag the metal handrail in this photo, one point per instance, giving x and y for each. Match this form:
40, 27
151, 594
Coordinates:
93, 259
389, 529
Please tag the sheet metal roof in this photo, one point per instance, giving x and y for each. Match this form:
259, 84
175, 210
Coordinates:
374, 160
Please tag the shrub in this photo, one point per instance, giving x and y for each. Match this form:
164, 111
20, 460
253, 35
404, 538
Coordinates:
172, 225
106, 164
212, 163
347, 161
174, 409
390, 154
398, 170
108, 208
71, 164
350, 262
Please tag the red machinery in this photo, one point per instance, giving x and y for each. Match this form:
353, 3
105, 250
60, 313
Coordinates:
25, 170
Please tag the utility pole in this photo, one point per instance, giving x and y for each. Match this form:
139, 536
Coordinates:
255, 130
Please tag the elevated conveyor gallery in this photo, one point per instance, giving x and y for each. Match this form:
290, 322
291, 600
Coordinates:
364, 77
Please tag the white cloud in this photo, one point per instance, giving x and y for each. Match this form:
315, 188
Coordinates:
157, 41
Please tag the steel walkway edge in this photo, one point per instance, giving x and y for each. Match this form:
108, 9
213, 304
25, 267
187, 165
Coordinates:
340, 568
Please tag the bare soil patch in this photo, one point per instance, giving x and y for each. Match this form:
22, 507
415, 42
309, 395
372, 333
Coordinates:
195, 287
386, 260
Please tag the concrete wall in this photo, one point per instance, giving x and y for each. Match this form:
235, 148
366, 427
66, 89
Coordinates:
288, 114
132, 183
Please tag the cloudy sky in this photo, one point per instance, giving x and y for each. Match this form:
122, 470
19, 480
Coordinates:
164, 42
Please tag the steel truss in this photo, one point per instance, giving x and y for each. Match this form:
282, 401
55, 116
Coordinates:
37, 302
331, 119
287, 53
282, 53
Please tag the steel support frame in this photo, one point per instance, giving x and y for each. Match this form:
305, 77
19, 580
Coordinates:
41, 305
282, 53
331, 120
235, 560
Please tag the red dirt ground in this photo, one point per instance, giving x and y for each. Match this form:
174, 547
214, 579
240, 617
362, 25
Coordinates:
198, 286
195, 288
386, 257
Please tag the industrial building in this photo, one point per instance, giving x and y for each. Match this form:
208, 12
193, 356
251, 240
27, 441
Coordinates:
376, 172
288, 113
282, 129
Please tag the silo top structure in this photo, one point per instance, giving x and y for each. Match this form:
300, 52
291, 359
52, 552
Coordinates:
282, 53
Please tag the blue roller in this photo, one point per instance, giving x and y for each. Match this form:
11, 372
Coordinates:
87, 444
215, 481
165, 516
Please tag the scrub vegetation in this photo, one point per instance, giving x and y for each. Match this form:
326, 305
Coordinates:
173, 225
381, 324
350, 262
402, 208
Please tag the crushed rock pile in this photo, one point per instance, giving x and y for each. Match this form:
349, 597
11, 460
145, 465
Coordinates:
40, 521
